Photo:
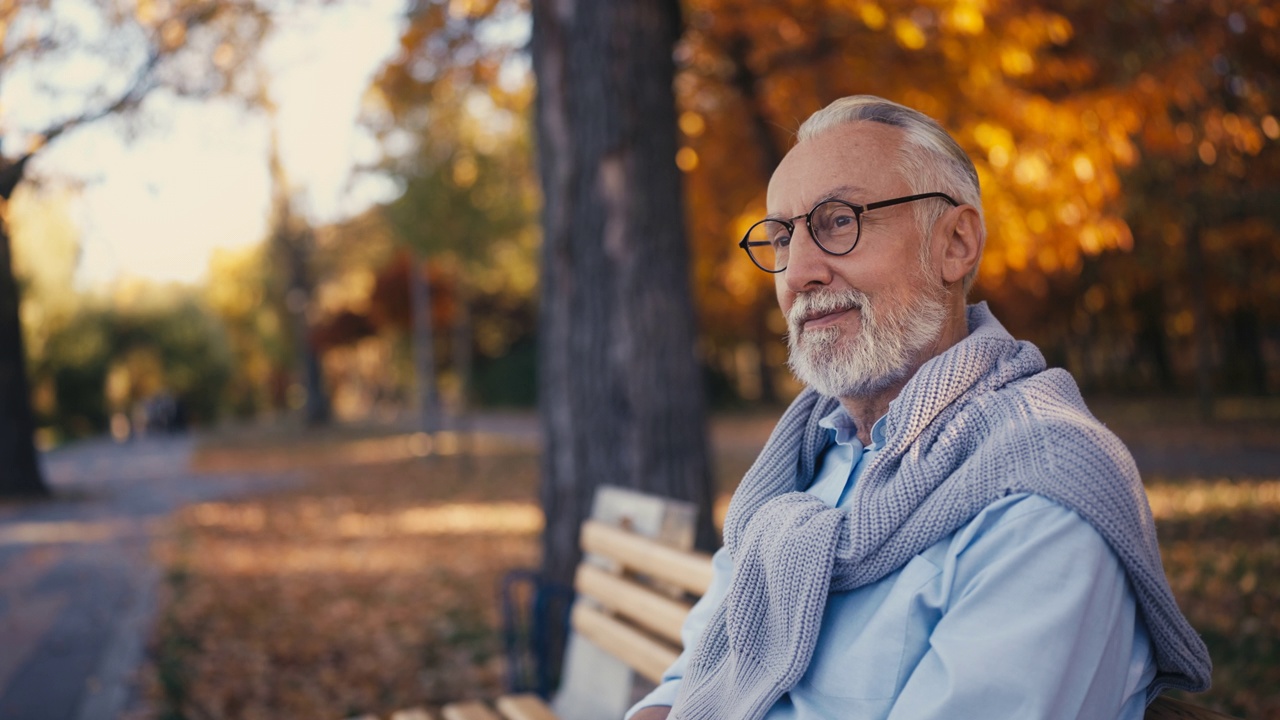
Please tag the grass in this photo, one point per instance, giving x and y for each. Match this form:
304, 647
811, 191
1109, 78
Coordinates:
371, 584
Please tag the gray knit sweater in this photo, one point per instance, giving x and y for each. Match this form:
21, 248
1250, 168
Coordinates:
982, 420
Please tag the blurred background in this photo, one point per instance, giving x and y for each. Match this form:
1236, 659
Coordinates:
297, 226
232, 211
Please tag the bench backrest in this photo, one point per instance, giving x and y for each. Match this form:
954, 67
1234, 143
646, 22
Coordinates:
634, 594
636, 583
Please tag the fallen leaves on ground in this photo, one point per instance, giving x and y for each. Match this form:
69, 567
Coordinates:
371, 584
355, 590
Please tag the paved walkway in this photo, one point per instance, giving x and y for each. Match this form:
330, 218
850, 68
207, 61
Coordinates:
77, 586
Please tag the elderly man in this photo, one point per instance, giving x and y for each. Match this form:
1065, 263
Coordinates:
938, 527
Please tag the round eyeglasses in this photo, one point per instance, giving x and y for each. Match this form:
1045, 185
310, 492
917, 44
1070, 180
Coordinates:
834, 225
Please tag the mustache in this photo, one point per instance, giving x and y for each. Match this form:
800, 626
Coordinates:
816, 303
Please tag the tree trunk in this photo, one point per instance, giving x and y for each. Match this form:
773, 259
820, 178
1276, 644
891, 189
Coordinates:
424, 345
621, 397
299, 298
293, 243
19, 469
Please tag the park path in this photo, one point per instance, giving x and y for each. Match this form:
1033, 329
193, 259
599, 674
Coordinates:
78, 588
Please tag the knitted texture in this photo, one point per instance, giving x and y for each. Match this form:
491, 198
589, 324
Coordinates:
983, 420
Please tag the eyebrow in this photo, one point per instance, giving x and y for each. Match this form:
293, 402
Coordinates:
838, 193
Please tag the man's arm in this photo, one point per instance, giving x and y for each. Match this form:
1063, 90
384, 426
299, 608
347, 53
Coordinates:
1040, 622
653, 712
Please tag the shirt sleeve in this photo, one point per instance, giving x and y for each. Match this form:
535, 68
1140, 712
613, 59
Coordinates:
1038, 621
695, 622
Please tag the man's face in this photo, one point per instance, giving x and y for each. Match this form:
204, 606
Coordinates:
857, 323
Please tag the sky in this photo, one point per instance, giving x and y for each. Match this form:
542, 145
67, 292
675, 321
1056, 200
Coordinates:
195, 177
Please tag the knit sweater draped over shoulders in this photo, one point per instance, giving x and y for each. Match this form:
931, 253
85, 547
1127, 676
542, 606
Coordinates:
980, 421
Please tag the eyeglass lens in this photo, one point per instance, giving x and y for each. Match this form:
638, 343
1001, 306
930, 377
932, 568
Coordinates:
834, 225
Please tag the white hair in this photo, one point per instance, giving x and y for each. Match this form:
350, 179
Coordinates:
930, 159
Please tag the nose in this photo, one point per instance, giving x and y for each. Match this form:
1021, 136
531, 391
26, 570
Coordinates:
808, 266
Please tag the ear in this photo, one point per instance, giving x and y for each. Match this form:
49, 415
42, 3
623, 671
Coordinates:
959, 237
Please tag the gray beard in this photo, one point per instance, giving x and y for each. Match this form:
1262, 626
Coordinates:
880, 355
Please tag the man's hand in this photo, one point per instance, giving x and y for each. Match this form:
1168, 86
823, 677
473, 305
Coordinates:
653, 712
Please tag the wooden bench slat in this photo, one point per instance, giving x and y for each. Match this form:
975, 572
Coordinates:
644, 654
642, 606
470, 710
524, 707
686, 570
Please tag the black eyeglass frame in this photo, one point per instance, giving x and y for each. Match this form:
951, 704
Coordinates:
858, 210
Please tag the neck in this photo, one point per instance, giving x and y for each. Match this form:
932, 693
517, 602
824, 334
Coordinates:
867, 409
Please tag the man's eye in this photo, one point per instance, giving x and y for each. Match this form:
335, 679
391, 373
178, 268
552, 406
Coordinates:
781, 241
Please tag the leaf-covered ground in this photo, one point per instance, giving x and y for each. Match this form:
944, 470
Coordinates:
371, 584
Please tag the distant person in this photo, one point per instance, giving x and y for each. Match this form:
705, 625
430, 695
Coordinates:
938, 527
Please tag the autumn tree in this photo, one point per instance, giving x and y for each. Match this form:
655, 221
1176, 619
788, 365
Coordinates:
620, 392
192, 47
291, 244
1064, 106
451, 111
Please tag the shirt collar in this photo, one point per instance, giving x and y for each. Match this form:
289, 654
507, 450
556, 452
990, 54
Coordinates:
845, 430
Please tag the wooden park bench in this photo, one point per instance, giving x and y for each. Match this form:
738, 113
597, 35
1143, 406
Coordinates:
633, 594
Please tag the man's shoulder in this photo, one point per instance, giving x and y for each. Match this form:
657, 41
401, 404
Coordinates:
1044, 415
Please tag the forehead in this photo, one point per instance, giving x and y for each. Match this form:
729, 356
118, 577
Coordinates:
861, 155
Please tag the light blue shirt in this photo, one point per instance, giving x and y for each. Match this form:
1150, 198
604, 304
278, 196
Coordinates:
1023, 613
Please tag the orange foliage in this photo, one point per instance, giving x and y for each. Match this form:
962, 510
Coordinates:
1052, 116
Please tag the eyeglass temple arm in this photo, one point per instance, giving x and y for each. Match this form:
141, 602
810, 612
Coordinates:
910, 198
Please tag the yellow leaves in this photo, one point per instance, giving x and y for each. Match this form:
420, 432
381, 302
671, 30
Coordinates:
1271, 127
1016, 62
1122, 149
1083, 168
965, 18
687, 159
872, 15
470, 9
173, 33
923, 101
1207, 152
990, 135
1069, 214
1031, 169
692, 124
1037, 222
908, 33
465, 170
224, 56
1091, 240
1058, 29
1204, 497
